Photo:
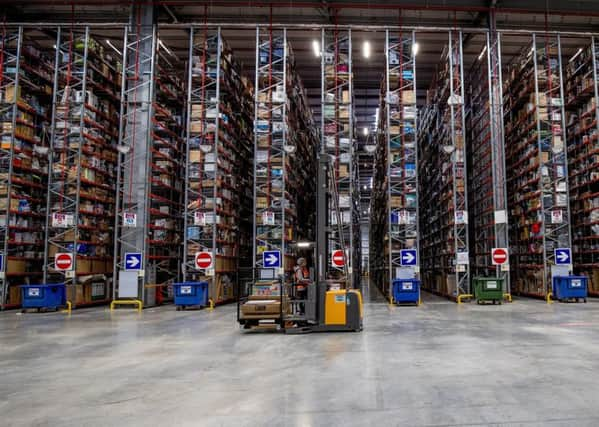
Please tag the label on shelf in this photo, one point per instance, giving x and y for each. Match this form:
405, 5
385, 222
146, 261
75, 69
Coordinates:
461, 217
557, 217
268, 218
60, 220
462, 258
129, 219
199, 218
500, 217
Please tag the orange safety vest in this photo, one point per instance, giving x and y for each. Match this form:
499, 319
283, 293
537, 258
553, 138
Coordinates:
301, 274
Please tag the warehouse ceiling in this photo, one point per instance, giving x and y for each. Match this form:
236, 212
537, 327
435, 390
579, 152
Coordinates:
305, 18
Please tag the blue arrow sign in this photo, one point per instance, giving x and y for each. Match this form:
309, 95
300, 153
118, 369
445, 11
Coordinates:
271, 259
563, 256
409, 257
133, 261
1, 262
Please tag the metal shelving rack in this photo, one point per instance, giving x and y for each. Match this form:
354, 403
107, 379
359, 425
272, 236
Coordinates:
536, 155
285, 167
442, 168
152, 150
220, 146
81, 184
338, 140
26, 83
582, 118
486, 155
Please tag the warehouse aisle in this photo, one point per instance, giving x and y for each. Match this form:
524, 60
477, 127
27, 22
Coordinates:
440, 364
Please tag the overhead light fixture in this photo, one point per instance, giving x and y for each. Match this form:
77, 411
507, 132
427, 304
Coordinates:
162, 45
108, 42
578, 52
415, 48
370, 148
316, 47
304, 244
366, 49
482, 53
365, 131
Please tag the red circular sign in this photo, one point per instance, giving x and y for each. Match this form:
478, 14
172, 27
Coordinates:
63, 261
203, 260
337, 258
499, 256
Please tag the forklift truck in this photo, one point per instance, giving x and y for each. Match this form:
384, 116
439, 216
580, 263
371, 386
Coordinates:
330, 304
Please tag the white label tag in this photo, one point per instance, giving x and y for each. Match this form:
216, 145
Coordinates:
129, 219
492, 285
199, 218
34, 292
186, 290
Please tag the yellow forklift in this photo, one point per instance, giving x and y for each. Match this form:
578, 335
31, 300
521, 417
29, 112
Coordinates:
329, 305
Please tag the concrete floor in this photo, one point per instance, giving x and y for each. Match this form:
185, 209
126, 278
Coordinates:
525, 363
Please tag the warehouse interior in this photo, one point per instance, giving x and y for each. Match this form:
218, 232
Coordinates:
243, 213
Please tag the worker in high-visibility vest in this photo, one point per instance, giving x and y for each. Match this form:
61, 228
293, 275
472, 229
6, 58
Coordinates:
302, 280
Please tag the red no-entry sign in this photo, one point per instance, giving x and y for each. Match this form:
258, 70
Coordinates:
338, 258
203, 260
63, 261
499, 256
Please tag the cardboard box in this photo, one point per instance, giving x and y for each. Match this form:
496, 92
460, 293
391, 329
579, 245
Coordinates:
84, 266
14, 295
16, 266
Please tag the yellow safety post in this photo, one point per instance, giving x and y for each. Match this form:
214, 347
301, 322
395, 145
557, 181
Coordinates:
549, 296
464, 296
136, 302
211, 304
508, 297
69, 308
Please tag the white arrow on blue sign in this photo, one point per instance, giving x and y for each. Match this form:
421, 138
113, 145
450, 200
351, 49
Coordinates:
271, 259
563, 256
132, 261
409, 257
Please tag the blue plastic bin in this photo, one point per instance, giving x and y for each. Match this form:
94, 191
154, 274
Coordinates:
406, 291
44, 296
188, 294
570, 287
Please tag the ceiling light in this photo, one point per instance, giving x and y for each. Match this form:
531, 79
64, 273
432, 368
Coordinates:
365, 131
316, 47
304, 244
370, 148
415, 48
482, 53
366, 49
576, 54
113, 47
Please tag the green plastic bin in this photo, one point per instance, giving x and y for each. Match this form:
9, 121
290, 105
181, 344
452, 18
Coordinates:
488, 289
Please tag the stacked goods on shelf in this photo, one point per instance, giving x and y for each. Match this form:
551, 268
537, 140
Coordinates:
394, 207
285, 157
536, 158
442, 172
81, 193
219, 166
338, 140
580, 80
26, 83
486, 161
167, 172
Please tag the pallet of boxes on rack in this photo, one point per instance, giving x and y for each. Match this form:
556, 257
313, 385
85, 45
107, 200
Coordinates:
442, 184
219, 166
284, 176
582, 131
26, 84
536, 158
82, 190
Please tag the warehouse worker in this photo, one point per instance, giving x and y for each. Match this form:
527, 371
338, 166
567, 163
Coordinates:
302, 280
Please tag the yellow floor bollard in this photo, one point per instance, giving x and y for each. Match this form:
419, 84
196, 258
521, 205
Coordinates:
464, 296
549, 296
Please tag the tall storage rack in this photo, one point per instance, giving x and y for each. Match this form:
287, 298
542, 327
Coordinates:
582, 118
338, 142
26, 84
151, 169
285, 146
395, 193
442, 171
81, 191
537, 158
219, 169
486, 157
